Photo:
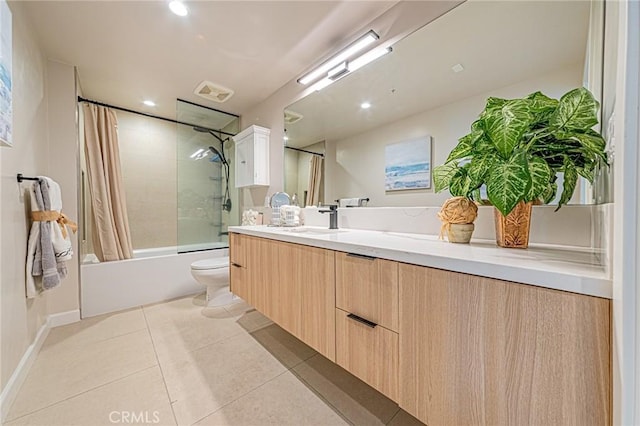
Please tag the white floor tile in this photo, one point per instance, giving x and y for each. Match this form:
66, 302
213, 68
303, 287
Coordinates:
140, 396
59, 374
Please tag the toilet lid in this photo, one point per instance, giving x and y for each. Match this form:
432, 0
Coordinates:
215, 263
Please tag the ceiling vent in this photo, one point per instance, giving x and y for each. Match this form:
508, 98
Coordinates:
213, 92
291, 117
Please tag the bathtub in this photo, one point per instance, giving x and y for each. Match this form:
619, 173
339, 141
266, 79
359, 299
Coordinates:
162, 251
153, 275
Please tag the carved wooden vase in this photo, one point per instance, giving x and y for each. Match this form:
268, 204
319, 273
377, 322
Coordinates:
512, 231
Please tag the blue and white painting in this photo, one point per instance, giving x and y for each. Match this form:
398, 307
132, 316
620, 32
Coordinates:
408, 165
6, 111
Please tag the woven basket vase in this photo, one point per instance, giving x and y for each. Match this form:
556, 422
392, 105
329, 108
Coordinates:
512, 231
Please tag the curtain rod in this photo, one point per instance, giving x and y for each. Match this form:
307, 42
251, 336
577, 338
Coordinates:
81, 99
209, 108
304, 150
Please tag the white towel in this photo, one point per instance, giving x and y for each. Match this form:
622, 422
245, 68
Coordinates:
349, 202
46, 278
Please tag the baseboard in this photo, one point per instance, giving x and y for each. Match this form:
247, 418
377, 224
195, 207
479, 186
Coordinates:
16, 380
63, 318
19, 375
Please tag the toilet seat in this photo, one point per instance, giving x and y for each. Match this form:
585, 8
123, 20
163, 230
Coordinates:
206, 264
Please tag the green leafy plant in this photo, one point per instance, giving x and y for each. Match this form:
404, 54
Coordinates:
517, 146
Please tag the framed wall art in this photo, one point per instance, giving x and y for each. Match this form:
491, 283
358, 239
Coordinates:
6, 106
408, 165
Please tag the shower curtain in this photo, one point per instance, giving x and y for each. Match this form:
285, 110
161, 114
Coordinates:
315, 177
111, 236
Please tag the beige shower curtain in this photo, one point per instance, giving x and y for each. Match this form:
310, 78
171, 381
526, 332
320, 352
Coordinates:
111, 236
315, 177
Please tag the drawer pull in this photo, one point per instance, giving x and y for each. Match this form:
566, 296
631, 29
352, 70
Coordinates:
361, 256
362, 320
236, 265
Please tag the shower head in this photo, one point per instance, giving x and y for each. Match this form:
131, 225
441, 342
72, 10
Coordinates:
219, 154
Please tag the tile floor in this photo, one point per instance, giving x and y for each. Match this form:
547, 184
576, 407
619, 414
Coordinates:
180, 363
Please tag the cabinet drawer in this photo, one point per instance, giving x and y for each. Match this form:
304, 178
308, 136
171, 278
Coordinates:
368, 352
238, 281
238, 249
368, 287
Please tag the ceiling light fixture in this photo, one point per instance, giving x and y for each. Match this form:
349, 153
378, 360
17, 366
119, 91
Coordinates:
457, 68
178, 8
335, 74
341, 57
365, 105
149, 103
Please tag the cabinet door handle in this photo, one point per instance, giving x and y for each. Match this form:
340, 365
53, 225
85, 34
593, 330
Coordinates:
236, 265
362, 320
361, 256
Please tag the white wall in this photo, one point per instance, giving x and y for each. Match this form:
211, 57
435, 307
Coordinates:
63, 168
355, 166
626, 209
32, 156
44, 144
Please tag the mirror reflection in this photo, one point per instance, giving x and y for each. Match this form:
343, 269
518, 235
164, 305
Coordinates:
433, 85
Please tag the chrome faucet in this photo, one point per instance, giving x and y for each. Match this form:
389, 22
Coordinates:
333, 216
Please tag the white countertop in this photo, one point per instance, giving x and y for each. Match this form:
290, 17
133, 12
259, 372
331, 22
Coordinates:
556, 267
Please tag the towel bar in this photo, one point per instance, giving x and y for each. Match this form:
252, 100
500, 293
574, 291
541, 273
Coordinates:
21, 178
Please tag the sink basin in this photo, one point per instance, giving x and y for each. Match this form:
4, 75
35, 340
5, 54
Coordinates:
315, 231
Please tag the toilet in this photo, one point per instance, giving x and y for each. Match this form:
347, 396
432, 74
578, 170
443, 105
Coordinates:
214, 275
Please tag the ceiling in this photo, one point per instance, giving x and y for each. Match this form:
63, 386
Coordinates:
129, 51
499, 43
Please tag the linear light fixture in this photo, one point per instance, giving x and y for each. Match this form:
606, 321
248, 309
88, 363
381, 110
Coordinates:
356, 64
342, 56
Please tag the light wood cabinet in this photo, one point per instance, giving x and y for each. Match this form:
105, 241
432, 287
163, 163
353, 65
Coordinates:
478, 351
291, 284
369, 352
238, 249
368, 287
262, 259
306, 295
238, 275
451, 348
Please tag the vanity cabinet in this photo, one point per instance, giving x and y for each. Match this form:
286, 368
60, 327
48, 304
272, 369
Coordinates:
450, 348
252, 157
293, 285
479, 351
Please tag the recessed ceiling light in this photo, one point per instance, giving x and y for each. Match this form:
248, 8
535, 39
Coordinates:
149, 103
178, 8
457, 68
365, 105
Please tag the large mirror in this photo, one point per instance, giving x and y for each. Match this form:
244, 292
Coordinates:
429, 90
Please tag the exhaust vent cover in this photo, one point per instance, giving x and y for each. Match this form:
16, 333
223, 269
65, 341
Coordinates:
291, 117
213, 92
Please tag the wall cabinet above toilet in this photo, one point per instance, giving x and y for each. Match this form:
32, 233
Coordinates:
252, 157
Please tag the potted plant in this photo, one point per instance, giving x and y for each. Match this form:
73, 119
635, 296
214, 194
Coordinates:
457, 216
516, 148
